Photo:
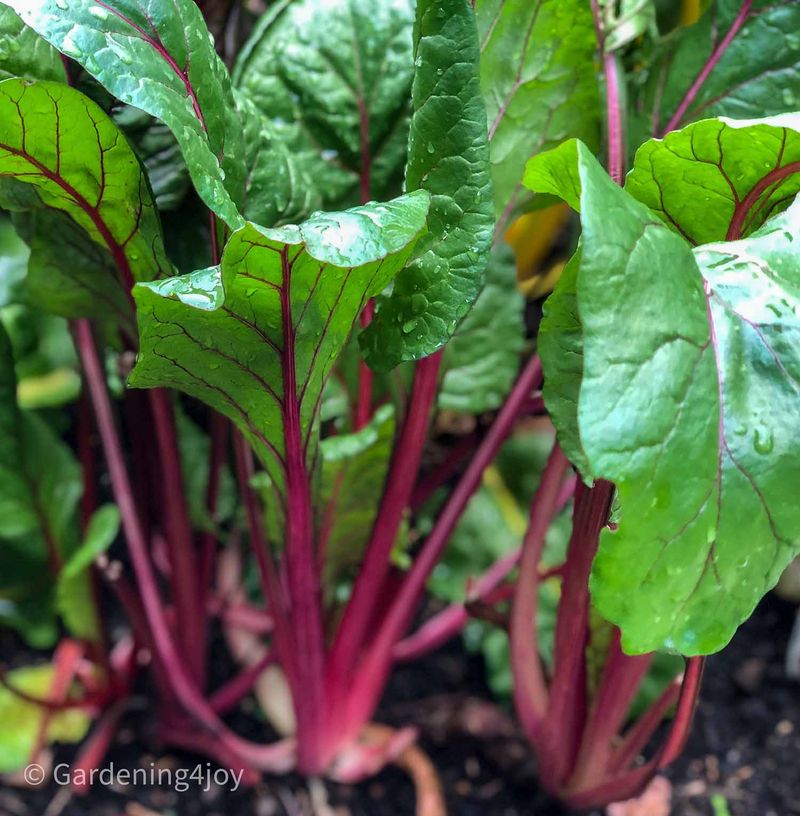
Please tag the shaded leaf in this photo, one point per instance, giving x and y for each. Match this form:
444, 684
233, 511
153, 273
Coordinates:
481, 362
353, 472
756, 72
159, 58
334, 79
538, 78
280, 187
23, 53
688, 403
257, 338
74, 592
448, 155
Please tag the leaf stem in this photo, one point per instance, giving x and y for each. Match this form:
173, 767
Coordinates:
369, 681
710, 65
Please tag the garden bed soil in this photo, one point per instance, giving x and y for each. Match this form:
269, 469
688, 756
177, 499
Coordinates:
744, 751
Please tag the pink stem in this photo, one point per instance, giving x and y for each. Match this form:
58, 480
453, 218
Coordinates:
615, 128
175, 670
368, 683
711, 64
530, 688
228, 696
183, 561
397, 492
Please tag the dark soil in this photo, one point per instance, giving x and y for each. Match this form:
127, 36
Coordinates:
744, 753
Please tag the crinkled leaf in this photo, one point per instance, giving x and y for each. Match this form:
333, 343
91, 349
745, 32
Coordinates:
689, 404
538, 78
719, 178
449, 157
482, 360
757, 72
23, 53
74, 593
280, 187
159, 58
258, 337
58, 150
334, 78
353, 471
22, 721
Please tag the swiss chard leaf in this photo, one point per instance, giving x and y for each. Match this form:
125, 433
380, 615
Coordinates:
159, 58
481, 361
280, 187
449, 157
58, 150
334, 79
23, 721
740, 60
74, 594
538, 80
719, 178
688, 403
353, 472
40, 485
257, 337
23, 53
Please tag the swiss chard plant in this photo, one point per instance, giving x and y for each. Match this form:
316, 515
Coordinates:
303, 365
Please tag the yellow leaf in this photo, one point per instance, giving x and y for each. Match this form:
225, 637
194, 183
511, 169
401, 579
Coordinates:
533, 235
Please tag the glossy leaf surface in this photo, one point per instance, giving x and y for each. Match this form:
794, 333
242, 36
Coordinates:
159, 58
260, 334
334, 78
448, 155
58, 150
688, 403
23, 53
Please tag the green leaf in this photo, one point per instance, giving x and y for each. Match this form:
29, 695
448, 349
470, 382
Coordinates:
195, 451
625, 21
22, 721
159, 58
280, 187
560, 343
334, 77
688, 403
39, 479
59, 150
23, 53
449, 157
719, 178
13, 263
538, 78
354, 469
262, 333
160, 154
74, 593
481, 362
40, 485
757, 72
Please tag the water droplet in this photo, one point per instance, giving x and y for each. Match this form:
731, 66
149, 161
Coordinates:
410, 325
763, 441
62, 4
788, 97
431, 148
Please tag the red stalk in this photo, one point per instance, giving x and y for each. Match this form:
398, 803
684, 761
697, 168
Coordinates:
530, 688
710, 65
96, 746
174, 668
304, 584
744, 207
229, 695
399, 484
616, 130
370, 679
183, 573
